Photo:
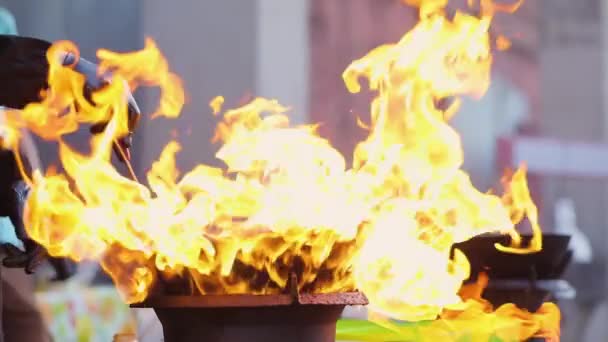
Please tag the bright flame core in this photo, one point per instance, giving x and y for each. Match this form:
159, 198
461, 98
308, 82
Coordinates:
286, 201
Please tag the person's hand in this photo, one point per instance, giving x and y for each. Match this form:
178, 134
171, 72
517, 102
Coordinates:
29, 259
34, 254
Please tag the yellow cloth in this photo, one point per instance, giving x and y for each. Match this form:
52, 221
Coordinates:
77, 313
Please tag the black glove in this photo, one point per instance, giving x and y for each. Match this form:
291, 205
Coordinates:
13, 194
34, 254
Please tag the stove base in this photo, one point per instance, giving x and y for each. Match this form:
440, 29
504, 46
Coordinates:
311, 323
252, 318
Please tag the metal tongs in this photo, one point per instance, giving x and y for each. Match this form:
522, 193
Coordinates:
95, 81
23, 75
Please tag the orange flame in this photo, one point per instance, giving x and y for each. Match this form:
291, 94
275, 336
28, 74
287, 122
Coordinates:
507, 323
414, 158
286, 200
476, 320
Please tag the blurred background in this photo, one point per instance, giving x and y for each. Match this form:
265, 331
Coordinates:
546, 104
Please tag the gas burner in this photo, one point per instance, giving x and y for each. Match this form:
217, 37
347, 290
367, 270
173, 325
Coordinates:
527, 280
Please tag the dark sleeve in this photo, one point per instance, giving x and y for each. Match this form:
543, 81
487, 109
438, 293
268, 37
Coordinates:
13, 191
8, 175
23, 71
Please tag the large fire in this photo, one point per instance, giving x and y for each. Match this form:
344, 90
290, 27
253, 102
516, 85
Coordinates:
286, 201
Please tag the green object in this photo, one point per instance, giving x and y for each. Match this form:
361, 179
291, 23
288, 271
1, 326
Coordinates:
357, 330
8, 24
425, 331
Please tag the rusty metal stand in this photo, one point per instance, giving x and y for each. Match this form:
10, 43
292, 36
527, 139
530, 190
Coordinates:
293, 316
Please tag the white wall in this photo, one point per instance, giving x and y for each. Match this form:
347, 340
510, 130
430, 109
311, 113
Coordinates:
481, 122
211, 45
230, 48
283, 54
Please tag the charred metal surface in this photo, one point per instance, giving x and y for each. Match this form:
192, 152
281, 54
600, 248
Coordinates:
216, 301
253, 301
549, 263
345, 298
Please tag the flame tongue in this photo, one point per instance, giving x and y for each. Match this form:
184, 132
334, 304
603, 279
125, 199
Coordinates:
414, 158
286, 200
